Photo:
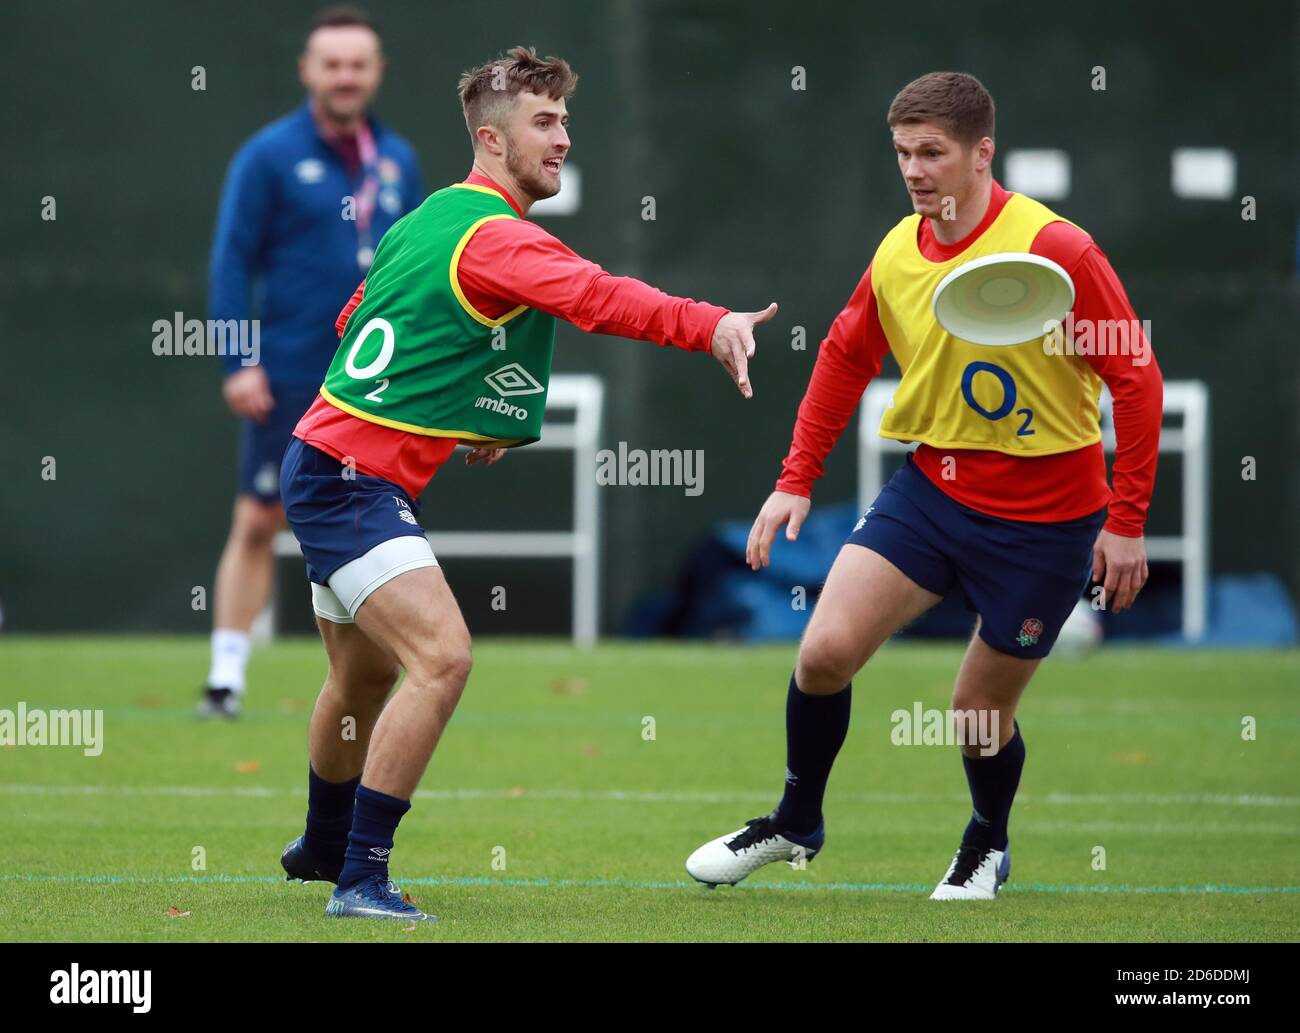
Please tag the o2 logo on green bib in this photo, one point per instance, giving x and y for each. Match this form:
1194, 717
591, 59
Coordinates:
379, 363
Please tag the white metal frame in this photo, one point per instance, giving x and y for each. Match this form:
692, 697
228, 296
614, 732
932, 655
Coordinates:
585, 395
1187, 398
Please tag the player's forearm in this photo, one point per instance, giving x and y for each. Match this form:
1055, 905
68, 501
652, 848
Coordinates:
1136, 387
513, 262
851, 354
1138, 408
625, 307
833, 394
231, 274
228, 298
816, 430
236, 240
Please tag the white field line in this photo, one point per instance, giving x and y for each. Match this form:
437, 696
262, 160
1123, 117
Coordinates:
669, 796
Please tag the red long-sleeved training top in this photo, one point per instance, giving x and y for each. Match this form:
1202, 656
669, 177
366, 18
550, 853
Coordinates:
509, 262
1038, 488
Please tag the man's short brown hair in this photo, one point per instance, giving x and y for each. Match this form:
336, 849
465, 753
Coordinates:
340, 16
488, 92
956, 102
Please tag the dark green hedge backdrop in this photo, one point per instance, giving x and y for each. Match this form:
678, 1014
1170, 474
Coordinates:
762, 193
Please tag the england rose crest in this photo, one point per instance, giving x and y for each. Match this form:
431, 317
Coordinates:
1030, 631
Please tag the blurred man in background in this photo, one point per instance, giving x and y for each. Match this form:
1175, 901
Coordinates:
305, 201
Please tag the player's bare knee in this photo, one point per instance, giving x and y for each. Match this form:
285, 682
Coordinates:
363, 688
442, 662
824, 667
377, 681
459, 662
969, 698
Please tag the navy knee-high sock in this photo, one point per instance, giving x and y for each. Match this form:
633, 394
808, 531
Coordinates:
993, 782
329, 816
815, 727
374, 824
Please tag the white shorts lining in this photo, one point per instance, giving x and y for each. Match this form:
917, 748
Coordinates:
354, 582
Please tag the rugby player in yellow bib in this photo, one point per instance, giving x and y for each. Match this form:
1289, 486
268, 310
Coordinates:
1004, 500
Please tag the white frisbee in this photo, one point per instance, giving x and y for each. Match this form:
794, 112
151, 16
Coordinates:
1003, 299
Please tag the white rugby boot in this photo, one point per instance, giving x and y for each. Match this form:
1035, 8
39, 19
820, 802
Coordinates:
976, 873
728, 859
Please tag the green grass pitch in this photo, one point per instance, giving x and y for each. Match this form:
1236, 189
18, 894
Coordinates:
548, 814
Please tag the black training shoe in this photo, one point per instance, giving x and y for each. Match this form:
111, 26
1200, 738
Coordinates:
298, 863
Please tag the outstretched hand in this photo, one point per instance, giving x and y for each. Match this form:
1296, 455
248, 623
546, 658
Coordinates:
733, 344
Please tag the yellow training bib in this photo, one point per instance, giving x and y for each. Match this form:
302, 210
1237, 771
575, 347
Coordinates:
1019, 399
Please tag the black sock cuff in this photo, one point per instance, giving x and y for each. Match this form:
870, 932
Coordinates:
844, 693
1011, 753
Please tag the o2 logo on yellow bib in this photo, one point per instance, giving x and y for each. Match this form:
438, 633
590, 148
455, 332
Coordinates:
1009, 394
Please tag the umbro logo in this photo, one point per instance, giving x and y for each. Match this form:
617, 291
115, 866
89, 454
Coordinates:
404, 511
309, 170
512, 379
378, 853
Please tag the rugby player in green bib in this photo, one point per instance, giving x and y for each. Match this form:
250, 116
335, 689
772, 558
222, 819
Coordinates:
448, 340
